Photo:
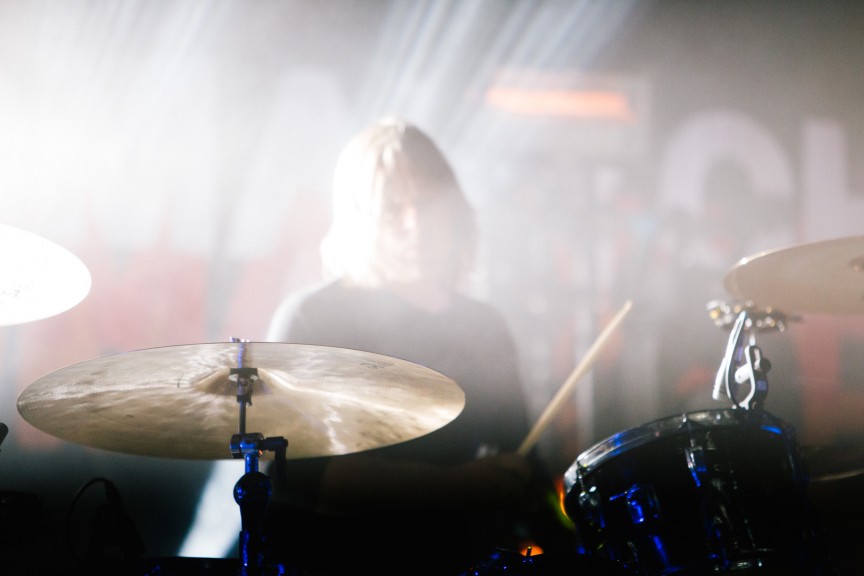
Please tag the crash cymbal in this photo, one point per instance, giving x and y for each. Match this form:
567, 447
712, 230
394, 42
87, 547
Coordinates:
40, 278
820, 278
179, 402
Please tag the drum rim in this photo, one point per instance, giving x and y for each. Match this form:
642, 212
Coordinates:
636, 436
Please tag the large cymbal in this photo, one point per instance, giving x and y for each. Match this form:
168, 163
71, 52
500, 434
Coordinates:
178, 401
40, 278
820, 278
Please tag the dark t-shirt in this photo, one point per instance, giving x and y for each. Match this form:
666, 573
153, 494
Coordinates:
468, 342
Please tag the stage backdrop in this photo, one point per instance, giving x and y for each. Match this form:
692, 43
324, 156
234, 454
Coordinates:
613, 151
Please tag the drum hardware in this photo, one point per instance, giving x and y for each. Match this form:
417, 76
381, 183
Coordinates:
824, 277
504, 562
716, 491
758, 318
711, 492
743, 364
177, 401
252, 490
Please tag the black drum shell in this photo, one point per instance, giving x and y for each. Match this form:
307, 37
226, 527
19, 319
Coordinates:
698, 493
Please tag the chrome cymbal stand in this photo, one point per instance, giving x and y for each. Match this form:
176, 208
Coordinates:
743, 371
252, 491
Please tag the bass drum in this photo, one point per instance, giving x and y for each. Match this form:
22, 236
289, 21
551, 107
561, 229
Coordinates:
712, 492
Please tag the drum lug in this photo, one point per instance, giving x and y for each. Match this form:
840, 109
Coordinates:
642, 503
590, 503
696, 464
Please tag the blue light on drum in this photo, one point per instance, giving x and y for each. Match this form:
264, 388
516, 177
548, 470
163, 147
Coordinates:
772, 429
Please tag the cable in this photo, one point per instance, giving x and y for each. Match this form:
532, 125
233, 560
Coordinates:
111, 521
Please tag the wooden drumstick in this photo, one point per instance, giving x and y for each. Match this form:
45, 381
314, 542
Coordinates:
580, 370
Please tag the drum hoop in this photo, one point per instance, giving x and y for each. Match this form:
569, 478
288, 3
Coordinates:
662, 427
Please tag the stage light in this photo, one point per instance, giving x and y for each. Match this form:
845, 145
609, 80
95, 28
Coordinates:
589, 104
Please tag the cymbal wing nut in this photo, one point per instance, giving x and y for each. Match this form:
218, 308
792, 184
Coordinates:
242, 444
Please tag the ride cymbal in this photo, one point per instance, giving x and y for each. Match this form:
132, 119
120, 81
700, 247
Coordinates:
181, 401
820, 278
40, 278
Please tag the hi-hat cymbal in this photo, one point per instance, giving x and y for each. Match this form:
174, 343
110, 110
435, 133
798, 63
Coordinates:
179, 402
40, 278
820, 278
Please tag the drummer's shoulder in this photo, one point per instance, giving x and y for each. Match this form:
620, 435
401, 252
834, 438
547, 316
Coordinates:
297, 305
309, 294
477, 308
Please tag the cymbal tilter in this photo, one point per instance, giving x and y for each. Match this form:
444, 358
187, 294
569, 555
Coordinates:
743, 364
758, 318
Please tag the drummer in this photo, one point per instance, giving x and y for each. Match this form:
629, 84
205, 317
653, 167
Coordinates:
397, 257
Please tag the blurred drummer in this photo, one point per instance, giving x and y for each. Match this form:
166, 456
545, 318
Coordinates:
397, 257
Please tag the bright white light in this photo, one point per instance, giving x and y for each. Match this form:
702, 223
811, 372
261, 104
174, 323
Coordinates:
216, 529
41, 278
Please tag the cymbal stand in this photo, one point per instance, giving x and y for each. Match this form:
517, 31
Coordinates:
743, 364
252, 491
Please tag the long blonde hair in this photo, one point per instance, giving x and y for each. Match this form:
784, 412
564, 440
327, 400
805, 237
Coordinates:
386, 167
